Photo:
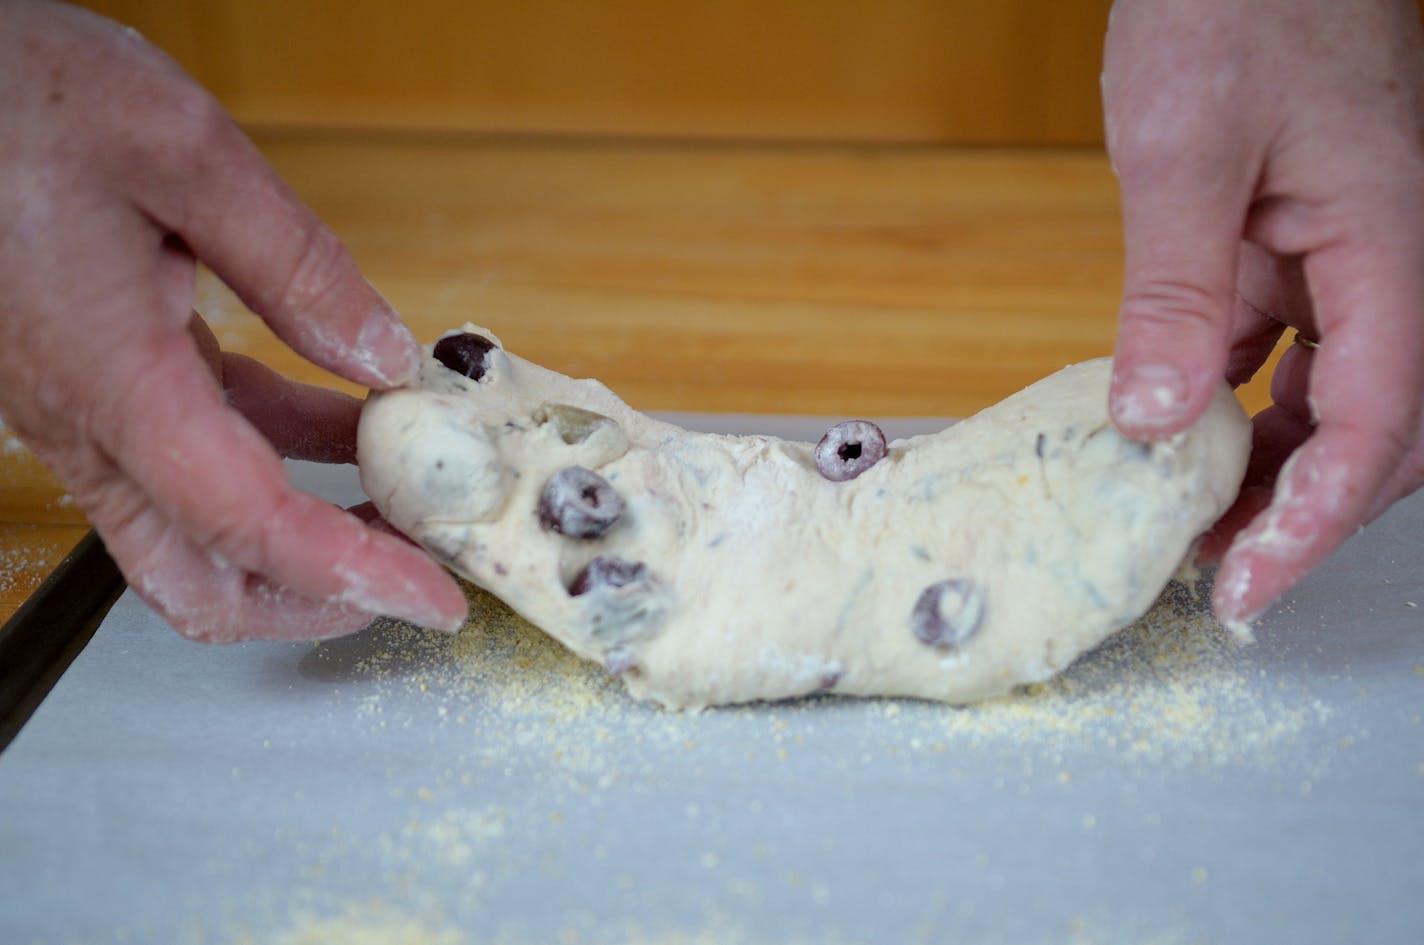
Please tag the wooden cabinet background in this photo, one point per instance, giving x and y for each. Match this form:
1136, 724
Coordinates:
942, 71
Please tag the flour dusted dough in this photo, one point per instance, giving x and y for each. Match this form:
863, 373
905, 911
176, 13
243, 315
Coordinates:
760, 578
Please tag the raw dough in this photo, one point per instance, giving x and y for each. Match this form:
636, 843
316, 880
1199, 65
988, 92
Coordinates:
1011, 542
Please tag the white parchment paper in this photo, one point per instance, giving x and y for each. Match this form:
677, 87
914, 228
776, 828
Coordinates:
1174, 789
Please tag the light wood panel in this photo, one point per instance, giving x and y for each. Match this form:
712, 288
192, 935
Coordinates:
763, 278
28, 553
38, 524
1008, 71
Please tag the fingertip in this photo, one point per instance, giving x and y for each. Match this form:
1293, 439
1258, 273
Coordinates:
385, 345
455, 624
373, 348
1182, 239
401, 581
454, 607
1239, 598
1231, 591
1157, 398
1314, 507
1149, 399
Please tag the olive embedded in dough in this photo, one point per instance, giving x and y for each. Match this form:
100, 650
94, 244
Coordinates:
948, 613
619, 660
607, 572
849, 449
622, 599
465, 353
579, 503
573, 424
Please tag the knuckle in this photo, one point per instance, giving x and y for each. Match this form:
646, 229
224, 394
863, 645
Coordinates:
1171, 305
203, 621
237, 535
227, 536
115, 508
192, 596
1158, 148
186, 135
114, 419
1193, 147
319, 266
199, 124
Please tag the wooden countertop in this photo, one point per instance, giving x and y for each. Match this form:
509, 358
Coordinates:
838, 280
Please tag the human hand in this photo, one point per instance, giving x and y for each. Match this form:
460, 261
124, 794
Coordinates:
1271, 160
116, 170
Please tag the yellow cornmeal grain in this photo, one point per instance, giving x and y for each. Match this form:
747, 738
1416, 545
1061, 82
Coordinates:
455, 838
371, 923
1173, 688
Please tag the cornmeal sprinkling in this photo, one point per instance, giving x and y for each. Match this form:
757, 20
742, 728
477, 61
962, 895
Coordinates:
1173, 692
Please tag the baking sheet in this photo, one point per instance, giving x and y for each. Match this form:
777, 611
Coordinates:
396, 787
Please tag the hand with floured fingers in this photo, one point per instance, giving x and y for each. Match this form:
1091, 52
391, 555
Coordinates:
116, 171
1271, 161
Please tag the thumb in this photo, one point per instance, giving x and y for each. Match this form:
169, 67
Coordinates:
1183, 218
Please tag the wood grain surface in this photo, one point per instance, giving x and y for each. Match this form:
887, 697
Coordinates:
1000, 72
836, 280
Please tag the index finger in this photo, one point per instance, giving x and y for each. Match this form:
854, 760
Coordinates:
199, 176
1366, 385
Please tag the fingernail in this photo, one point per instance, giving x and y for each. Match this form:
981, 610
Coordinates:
408, 603
1240, 628
392, 350
1233, 584
452, 625
1150, 395
423, 609
428, 618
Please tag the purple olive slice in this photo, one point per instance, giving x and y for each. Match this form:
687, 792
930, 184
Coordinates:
619, 660
621, 600
465, 353
849, 449
948, 613
579, 503
607, 572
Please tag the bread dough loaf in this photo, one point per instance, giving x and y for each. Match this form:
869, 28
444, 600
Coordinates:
721, 569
